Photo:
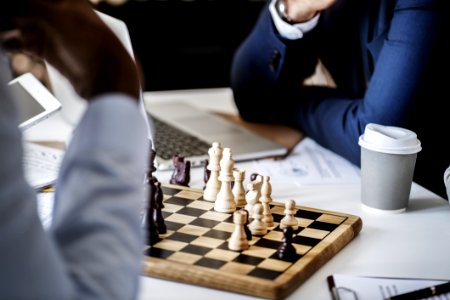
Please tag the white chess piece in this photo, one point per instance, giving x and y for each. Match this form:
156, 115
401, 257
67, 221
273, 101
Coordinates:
289, 220
238, 240
238, 187
258, 226
253, 194
266, 199
213, 184
225, 199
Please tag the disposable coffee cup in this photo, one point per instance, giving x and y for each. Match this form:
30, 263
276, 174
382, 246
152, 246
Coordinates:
388, 159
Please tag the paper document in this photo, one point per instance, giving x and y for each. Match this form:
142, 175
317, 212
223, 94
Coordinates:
311, 164
349, 287
45, 208
41, 164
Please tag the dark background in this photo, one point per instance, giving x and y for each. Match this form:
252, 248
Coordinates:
183, 44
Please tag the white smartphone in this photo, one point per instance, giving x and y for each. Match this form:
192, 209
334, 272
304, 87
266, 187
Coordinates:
35, 102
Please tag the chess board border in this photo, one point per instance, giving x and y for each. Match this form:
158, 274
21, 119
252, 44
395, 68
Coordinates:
279, 288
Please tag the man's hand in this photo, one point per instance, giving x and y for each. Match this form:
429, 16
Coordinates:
303, 10
71, 37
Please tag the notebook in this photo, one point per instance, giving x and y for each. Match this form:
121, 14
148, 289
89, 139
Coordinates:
189, 131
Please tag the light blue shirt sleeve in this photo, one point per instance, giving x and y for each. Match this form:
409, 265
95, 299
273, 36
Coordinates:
93, 249
288, 31
101, 190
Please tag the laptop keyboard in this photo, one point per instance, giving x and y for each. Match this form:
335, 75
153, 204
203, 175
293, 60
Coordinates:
169, 141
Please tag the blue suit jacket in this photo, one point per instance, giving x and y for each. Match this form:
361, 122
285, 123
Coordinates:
383, 55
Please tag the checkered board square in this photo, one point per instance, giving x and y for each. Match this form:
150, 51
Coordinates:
195, 248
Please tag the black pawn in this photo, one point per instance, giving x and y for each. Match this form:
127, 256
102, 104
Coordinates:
158, 217
287, 251
248, 233
206, 171
152, 230
151, 193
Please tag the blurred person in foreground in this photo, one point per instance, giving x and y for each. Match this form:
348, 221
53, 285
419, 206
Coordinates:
93, 248
385, 57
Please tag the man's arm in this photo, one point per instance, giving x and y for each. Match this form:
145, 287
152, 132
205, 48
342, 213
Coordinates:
334, 117
404, 59
28, 255
266, 65
93, 249
99, 194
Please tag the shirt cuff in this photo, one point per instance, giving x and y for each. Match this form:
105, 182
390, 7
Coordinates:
291, 31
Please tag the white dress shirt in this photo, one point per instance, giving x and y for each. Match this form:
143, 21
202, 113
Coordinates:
294, 31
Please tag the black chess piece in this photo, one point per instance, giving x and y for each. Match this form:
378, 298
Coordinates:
151, 193
158, 217
248, 233
206, 171
149, 221
253, 176
287, 251
152, 167
182, 171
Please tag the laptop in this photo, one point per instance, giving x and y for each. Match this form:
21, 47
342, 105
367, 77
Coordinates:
176, 128
189, 131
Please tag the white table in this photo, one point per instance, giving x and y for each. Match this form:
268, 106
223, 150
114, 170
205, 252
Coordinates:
412, 244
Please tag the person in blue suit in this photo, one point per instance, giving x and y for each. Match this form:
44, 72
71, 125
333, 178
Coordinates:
386, 58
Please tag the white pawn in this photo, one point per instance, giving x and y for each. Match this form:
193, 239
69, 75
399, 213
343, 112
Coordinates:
266, 199
213, 184
258, 226
238, 240
238, 187
253, 194
289, 220
225, 199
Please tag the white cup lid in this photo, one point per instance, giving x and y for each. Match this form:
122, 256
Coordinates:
389, 139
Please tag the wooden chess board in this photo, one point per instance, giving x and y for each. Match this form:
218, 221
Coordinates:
195, 249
